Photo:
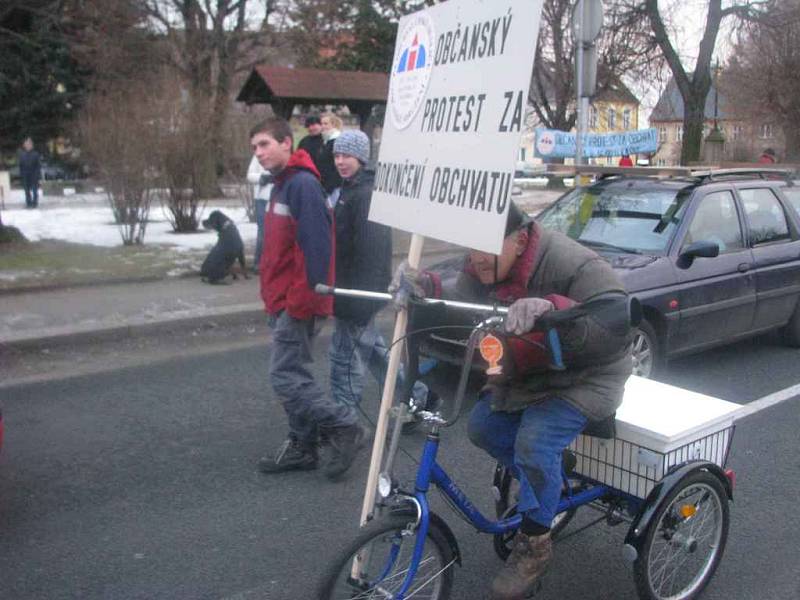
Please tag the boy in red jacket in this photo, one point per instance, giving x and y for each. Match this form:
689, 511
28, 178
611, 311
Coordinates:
297, 255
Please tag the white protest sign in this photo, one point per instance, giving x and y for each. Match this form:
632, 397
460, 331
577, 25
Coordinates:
455, 112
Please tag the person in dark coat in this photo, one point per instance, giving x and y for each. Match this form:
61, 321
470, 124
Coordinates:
526, 418
313, 142
329, 175
30, 171
363, 262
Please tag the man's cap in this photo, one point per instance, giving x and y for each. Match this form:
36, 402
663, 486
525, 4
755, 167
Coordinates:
769, 152
313, 120
517, 219
353, 142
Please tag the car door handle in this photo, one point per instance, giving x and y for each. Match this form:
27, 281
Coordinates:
743, 267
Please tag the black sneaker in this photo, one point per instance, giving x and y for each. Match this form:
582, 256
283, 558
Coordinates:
343, 443
291, 456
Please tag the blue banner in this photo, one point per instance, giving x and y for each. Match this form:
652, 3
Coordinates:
550, 143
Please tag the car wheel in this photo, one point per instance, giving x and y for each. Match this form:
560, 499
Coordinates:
791, 331
647, 356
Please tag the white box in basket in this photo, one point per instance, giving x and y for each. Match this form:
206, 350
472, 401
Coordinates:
658, 426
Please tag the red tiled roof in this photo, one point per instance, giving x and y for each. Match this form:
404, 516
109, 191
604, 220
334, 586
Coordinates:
316, 86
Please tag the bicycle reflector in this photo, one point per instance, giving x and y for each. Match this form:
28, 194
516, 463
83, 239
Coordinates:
384, 485
687, 510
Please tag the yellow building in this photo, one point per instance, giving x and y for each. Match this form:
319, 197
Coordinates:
611, 110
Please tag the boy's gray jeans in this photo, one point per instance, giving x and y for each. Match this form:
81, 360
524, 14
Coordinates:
307, 407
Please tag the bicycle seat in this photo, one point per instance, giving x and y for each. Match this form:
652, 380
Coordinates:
605, 429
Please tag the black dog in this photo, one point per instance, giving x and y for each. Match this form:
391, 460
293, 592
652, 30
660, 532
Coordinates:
229, 248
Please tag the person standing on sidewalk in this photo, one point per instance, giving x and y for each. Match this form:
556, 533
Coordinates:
30, 171
313, 142
262, 186
297, 255
331, 129
364, 262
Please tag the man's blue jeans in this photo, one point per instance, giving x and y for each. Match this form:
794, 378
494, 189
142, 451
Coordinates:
347, 365
307, 407
530, 443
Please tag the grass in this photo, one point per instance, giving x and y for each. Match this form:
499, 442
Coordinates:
57, 263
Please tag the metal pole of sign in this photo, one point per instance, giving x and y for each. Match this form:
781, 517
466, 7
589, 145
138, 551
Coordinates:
400, 325
579, 122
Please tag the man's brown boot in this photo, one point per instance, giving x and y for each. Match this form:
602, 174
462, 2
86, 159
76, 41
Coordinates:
528, 561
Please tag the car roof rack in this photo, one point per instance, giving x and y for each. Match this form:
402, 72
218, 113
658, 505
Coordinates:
717, 173
602, 171
700, 173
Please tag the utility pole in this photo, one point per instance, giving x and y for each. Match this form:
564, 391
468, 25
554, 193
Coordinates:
587, 20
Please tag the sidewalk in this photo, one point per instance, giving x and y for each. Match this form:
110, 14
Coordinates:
109, 311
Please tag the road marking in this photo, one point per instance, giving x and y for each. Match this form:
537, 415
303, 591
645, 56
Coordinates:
792, 392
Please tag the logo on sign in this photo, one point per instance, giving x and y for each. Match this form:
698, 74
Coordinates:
545, 143
411, 71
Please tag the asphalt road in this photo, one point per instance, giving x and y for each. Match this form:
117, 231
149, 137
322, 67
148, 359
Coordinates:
141, 483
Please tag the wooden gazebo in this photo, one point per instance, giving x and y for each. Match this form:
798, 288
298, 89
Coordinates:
284, 88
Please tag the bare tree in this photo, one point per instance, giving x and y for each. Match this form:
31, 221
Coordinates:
695, 84
623, 49
209, 43
761, 81
119, 134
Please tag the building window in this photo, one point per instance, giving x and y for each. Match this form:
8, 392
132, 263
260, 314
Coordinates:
737, 132
661, 162
522, 154
662, 134
592, 117
612, 118
679, 133
626, 119
765, 131
610, 161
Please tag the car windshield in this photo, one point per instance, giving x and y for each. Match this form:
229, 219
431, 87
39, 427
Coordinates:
640, 220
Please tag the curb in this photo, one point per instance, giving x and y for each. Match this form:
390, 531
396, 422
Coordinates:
252, 312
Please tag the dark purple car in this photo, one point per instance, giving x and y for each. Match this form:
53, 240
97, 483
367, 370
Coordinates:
713, 257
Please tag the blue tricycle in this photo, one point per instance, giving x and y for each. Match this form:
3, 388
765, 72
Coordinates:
676, 530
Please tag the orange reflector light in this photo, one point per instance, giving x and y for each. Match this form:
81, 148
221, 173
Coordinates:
688, 510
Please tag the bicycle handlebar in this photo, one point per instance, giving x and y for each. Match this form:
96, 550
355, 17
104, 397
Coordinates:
323, 289
494, 318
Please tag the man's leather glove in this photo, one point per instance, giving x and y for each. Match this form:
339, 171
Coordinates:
523, 314
408, 282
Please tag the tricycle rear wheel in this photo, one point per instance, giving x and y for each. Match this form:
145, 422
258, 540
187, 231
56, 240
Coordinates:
685, 541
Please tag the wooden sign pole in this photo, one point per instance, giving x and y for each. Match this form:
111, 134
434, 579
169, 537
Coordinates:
378, 444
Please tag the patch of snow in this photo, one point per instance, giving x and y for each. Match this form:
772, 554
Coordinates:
87, 224
14, 275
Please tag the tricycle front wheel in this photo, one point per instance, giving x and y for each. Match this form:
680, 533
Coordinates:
384, 547
685, 541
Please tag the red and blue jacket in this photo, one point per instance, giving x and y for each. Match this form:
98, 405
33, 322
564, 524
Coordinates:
298, 243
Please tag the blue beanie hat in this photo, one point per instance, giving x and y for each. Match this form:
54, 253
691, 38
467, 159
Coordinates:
353, 142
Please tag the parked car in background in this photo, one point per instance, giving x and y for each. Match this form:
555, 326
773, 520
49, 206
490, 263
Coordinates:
57, 171
52, 170
712, 256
